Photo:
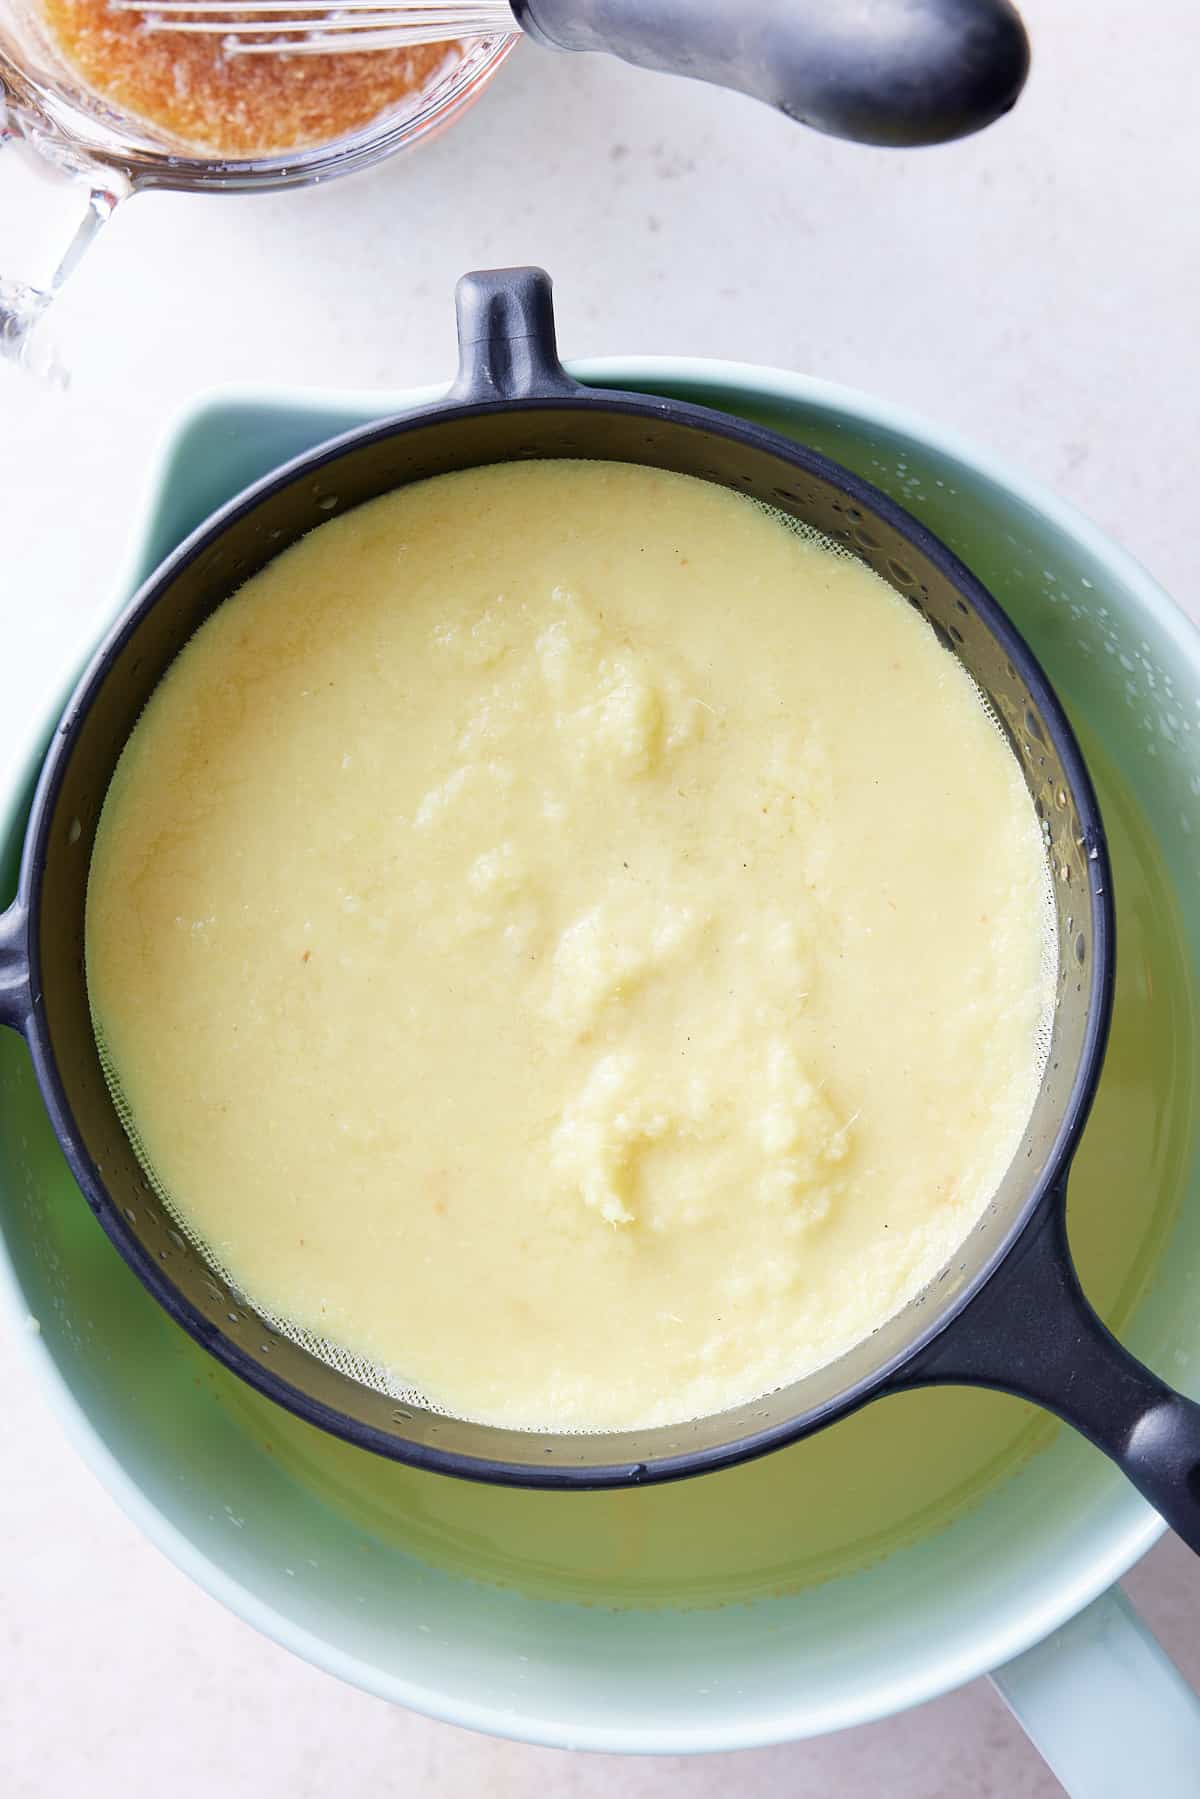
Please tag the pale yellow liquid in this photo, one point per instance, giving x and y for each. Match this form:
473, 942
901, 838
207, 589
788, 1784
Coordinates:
572, 942
894, 1472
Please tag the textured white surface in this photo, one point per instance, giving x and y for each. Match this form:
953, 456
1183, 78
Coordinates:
1036, 287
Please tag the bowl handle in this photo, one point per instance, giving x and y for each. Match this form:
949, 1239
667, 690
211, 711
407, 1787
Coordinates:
1101, 1701
507, 347
15, 998
1030, 1331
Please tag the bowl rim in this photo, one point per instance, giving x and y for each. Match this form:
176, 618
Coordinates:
1121, 1528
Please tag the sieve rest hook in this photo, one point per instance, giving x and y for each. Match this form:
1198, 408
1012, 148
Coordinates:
16, 1001
507, 345
1031, 1331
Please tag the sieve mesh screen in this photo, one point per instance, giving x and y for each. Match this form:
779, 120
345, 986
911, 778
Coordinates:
334, 1355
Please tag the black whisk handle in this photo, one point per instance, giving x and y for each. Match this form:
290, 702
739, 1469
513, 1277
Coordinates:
898, 72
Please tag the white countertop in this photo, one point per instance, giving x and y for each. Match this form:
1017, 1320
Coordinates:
1038, 287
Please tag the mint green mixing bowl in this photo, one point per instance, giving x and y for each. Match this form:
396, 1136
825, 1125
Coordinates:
1017, 1583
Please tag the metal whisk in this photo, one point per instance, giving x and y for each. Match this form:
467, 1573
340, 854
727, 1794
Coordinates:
315, 28
896, 72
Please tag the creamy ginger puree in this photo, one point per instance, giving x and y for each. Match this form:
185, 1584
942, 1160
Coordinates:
573, 942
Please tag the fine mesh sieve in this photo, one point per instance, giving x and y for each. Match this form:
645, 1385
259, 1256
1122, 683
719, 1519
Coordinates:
1006, 1311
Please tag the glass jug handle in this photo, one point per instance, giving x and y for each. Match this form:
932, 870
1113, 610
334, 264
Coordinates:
56, 239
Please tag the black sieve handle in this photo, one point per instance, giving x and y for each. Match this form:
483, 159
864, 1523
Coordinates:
895, 72
1031, 1331
15, 999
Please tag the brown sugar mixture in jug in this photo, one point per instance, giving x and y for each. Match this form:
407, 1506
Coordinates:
232, 106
